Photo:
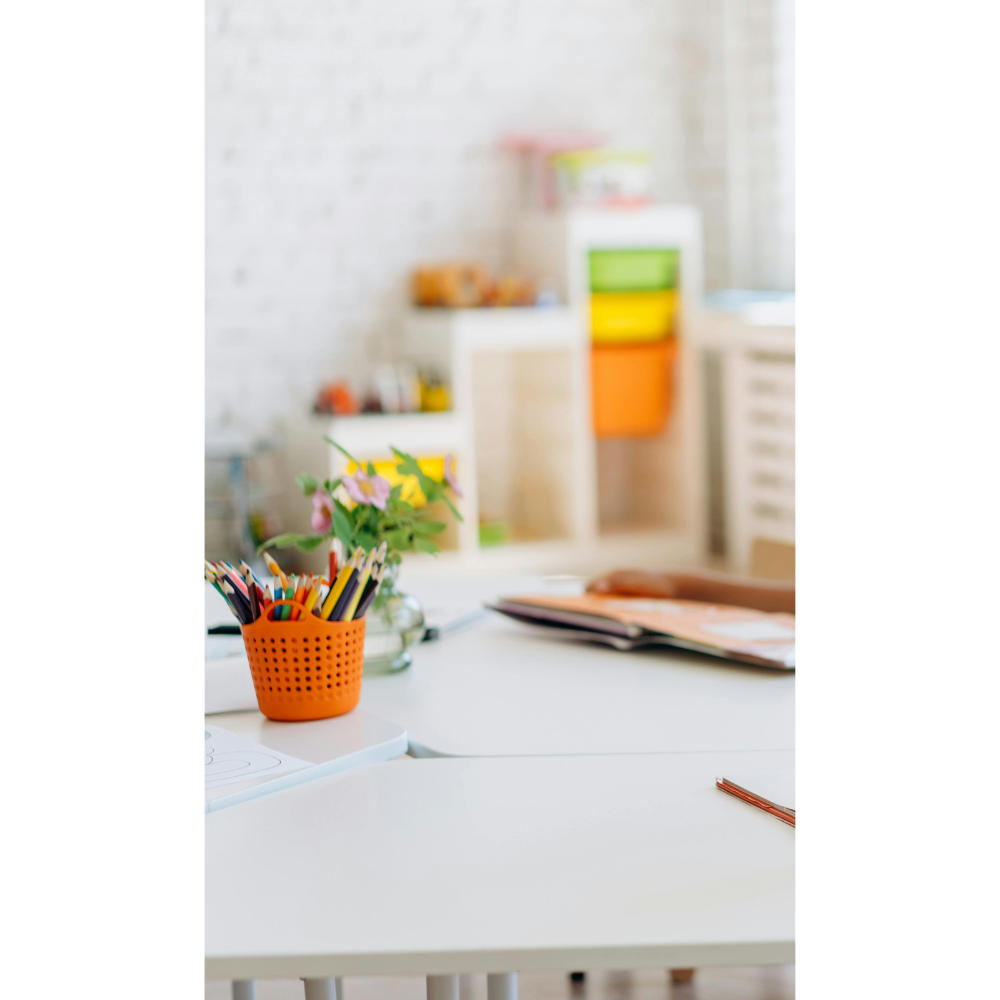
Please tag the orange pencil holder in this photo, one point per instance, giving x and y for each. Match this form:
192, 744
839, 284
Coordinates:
305, 669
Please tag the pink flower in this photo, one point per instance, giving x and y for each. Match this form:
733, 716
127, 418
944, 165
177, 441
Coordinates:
449, 475
369, 490
322, 515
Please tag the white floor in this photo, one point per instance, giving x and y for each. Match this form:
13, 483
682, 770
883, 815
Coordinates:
735, 983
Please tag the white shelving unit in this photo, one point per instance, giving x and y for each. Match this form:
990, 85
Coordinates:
521, 426
661, 494
756, 413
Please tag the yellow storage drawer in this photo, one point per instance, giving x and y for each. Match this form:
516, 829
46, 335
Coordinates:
631, 317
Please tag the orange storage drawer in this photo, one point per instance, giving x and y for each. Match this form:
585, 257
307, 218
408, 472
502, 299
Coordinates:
632, 387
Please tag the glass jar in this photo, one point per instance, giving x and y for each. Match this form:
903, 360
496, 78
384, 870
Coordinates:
395, 622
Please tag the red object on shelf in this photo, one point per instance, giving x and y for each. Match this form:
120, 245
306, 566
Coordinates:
336, 398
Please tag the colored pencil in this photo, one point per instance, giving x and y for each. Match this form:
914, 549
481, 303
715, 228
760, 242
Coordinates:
230, 574
237, 600
210, 575
252, 587
346, 596
312, 598
369, 594
300, 595
289, 595
334, 557
274, 568
366, 572
337, 589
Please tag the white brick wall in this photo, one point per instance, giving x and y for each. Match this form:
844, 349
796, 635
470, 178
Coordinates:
347, 141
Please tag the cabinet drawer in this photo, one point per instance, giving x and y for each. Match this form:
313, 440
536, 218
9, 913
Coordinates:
630, 317
633, 270
632, 388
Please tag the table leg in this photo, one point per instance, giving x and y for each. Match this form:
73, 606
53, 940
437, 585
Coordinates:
322, 989
501, 986
244, 989
442, 988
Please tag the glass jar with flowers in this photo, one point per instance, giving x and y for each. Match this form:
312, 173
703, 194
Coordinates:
364, 510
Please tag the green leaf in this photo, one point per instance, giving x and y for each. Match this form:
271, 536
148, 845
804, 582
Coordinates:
341, 524
366, 540
309, 542
331, 484
285, 541
429, 527
309, 484
371, 469
342, 451
395, 492
399, 540
425, 545
408, 466
404, 505
453, 508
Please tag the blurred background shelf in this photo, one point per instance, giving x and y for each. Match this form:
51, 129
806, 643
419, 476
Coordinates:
514, 173
748, 346
561, 469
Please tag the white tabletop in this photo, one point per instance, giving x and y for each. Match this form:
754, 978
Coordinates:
331, 745
498, 689
416, 867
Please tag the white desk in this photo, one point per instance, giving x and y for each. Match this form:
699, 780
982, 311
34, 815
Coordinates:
436, 867
333, 745
497, 689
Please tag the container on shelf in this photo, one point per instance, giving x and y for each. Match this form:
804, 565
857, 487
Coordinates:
647, 270
493, 532
632, 388
630, 317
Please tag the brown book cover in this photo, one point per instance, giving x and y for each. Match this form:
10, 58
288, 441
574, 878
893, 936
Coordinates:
741, 634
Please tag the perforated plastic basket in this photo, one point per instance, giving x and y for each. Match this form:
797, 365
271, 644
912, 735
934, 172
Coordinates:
305, 669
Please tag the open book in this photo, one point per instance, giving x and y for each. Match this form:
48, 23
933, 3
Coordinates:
742, 634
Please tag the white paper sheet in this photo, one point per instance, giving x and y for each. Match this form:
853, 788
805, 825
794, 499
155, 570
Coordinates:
761, 630
230, 758
783, 652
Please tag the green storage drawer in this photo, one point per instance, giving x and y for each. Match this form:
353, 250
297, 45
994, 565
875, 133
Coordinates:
633, 270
